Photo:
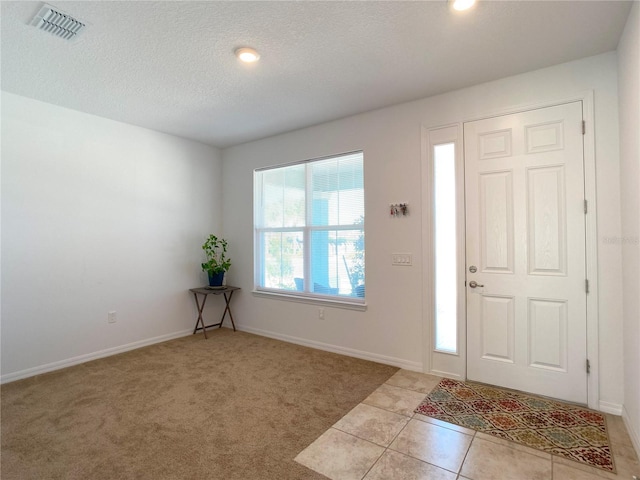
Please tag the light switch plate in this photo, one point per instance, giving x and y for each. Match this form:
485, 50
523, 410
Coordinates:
402, 259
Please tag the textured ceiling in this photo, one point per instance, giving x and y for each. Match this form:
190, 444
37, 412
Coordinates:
169, 66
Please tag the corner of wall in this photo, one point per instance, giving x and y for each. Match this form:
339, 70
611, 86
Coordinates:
635, 436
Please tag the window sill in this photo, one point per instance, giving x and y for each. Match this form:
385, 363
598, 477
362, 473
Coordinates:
312, 300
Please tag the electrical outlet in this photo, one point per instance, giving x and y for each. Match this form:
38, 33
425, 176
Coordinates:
321, 313
111, 316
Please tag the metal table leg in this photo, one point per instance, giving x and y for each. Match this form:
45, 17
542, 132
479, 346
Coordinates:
227, 308
200, 309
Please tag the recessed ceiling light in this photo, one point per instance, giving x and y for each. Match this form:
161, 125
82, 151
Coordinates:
247, 55
460, 5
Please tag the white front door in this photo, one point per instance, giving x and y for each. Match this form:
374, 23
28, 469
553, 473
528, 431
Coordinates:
525, 248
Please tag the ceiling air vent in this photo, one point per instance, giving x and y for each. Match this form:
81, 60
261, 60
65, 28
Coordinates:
57, 23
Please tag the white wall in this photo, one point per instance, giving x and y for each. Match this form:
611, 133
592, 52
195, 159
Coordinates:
97, 215
629, 91
391, 328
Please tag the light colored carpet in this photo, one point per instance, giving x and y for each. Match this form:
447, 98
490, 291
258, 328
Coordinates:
235, 406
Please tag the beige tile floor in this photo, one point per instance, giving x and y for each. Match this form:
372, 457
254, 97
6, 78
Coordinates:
382, 439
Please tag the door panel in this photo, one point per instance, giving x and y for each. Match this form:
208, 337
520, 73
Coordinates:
548, 334
525, 233
496, 236
546, 221
497, 318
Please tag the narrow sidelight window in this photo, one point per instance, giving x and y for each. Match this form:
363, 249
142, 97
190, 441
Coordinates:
446, 314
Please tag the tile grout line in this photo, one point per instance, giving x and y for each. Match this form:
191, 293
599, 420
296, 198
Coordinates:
353, 435
444, 426
600, 474
473, 437
409, 389
412, 417
424, 461
356, 436
379, 408
374, 463
392, 440
385, 449
409, 419
407, 454
366, 440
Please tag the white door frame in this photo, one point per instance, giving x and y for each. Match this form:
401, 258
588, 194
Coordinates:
459, 366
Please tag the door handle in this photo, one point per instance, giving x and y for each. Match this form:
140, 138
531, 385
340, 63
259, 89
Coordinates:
474, 284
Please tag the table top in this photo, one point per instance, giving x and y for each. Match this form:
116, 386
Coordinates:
206, 290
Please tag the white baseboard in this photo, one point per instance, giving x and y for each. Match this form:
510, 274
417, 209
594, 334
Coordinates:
50, 367
631, 429
453, 376
350, 352
612, 408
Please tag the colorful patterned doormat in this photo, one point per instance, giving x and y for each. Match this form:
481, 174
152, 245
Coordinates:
554, 427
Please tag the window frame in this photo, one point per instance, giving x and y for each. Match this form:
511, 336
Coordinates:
306, 295
440, 360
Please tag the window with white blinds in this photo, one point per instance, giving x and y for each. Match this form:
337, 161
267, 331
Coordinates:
309, 228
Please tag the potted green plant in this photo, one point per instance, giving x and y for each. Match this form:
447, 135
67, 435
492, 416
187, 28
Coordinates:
217, 262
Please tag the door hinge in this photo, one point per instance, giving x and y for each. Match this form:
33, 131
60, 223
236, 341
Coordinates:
586, 285
588, 366
584, 127
585, 207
